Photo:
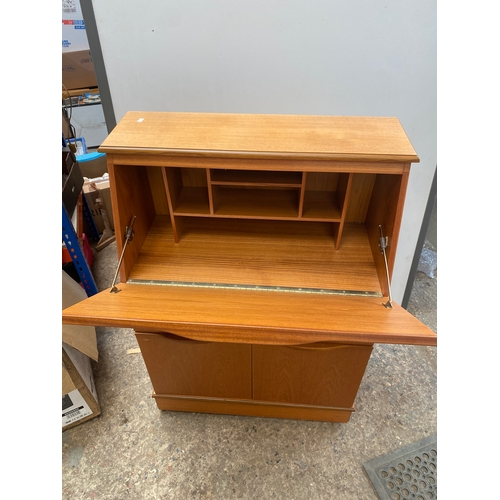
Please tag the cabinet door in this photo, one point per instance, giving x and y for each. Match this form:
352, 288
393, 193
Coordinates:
179, 366
322, 374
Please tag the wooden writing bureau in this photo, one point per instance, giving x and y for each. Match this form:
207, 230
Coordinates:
255, 279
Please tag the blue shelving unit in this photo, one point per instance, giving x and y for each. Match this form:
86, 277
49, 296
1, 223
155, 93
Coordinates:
70, 238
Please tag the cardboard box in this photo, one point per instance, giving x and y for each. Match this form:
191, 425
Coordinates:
79, 346
78, 70
98, 196
74, 34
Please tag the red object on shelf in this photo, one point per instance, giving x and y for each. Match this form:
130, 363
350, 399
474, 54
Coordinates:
66, 258
87, 252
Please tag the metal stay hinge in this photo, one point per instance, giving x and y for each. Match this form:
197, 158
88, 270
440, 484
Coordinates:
129, 235
383, 243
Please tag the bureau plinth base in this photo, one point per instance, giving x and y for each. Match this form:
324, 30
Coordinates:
251, 408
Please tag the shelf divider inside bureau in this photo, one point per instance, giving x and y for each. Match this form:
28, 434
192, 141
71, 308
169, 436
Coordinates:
261, 195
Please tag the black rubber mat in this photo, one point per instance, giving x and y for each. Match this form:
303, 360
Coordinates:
409, 473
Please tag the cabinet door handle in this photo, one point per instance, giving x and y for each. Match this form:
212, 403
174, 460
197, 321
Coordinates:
177, 338
312, 347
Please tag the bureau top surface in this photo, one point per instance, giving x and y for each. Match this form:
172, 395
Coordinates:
261, 136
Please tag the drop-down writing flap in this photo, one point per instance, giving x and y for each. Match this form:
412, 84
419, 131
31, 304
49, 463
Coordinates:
251, 316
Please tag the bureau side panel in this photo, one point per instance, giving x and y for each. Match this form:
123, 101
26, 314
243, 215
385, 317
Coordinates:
131, 196
386, 210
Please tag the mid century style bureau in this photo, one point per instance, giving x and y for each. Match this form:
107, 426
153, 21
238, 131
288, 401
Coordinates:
257, 252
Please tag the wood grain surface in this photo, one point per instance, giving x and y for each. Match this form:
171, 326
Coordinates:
252, 408
189, 368
262, 136
253, 317
268, 253
327, 375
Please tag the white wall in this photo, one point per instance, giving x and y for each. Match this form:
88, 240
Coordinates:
344, 57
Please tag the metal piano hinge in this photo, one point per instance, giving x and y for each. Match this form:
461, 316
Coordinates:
383, 243
129, 235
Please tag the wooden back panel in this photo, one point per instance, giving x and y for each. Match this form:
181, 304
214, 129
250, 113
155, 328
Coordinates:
157, 187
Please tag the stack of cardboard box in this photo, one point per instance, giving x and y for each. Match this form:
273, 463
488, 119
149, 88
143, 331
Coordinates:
79, 346
77, 66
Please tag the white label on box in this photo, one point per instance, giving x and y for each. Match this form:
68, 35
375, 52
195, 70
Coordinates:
68, 6
74, 408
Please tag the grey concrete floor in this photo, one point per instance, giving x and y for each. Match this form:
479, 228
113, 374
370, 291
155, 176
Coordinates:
135, 451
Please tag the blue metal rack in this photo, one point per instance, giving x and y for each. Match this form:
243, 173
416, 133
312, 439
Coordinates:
70, 238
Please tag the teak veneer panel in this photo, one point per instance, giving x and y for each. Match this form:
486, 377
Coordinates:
256, 203
251, 408
261, 136
250, 317
317, 374
386, 210
256, 178
269, 253
154, 158
131, 191
179, 366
